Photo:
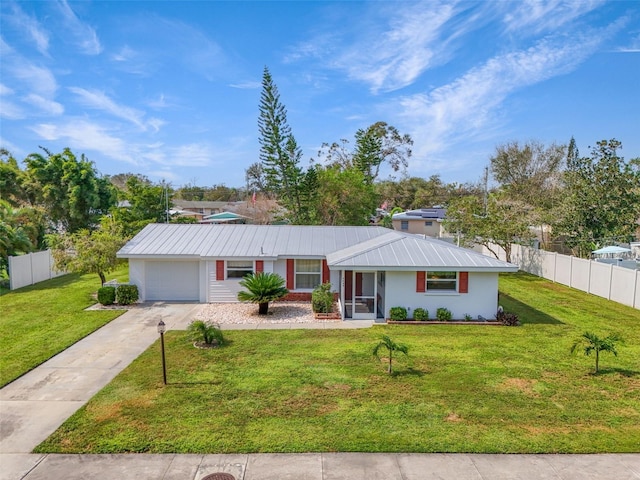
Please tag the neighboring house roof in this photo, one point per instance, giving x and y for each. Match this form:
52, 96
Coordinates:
224, 216
435, 213
178, 202
344, 247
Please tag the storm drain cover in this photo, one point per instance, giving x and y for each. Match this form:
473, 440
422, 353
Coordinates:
219, 476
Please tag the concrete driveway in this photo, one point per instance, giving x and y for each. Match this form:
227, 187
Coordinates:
36, 404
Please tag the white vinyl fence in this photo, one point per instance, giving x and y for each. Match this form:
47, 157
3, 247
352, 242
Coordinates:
31, 268
615, 283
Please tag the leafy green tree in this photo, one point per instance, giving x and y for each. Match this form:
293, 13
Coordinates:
14, 237
262, 288
71, 191
254, 178
601, 199
502, 222
344, 197
147, 203
380, 143
12, 180
593, 343
390, 346
85, 251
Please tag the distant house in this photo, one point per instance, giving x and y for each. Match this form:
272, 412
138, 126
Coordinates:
424, 221
370, 268
200, 208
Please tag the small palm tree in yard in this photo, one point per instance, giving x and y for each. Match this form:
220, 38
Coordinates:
592, 343
262, 288
390, 346
205, 334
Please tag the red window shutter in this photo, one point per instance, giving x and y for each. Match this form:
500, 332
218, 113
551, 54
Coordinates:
358, 284
219, 269
421, 283
259, 266
291, 273
463, 282
326, 274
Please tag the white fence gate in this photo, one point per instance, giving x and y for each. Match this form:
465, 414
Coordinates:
31, 268
615, 283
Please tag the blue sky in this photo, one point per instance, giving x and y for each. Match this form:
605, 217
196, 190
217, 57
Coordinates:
171, 89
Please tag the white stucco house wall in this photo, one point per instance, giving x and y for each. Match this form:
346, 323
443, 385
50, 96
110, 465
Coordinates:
370, 268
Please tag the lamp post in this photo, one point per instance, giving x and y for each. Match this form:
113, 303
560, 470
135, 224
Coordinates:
161, 330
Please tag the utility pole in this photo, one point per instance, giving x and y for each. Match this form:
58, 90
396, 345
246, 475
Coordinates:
486, 189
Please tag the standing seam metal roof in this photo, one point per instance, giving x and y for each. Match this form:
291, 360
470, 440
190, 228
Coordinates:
344, 247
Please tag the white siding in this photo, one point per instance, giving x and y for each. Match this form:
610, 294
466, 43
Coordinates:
137, 277
481, 299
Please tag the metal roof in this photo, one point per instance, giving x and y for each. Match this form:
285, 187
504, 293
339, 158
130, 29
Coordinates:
435, 213
344, 247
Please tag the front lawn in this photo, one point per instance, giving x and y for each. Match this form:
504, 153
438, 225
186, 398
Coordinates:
41, 320
462, 388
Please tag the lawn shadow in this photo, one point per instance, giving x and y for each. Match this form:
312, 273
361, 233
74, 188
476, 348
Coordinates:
191, 384
408, 371
526, 313
622, 371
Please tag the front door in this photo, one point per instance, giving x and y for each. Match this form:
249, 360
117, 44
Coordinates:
363, 296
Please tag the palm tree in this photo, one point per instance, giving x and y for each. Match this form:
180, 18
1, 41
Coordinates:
592, 343
391, 346
207, 333
262, 289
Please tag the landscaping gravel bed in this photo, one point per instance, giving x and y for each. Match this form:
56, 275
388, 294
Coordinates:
247, 313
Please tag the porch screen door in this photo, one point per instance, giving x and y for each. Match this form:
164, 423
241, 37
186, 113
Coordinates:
364, 295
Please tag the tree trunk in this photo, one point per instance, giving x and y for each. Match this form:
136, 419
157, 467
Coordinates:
597, 359
102, 278
390, 360
263, 308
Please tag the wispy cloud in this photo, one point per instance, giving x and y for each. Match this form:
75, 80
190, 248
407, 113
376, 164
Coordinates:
632, 47
30, 27
190, 155
100, 101
49, 107
468, 106
81, 134
538, 16
248, 85
10, 110
84, 35
4, 90
39, 79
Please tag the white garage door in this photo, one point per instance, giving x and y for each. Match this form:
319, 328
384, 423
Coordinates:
172, 281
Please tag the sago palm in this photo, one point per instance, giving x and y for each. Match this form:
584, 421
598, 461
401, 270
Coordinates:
391, 346
207, 333
262, 288
592, 343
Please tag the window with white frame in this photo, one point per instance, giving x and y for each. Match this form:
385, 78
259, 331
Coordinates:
239, 268
308, 274
442, 281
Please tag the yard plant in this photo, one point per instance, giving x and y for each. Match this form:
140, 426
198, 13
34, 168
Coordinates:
262, 288
593, 343
462, 389
206, 333
390, 346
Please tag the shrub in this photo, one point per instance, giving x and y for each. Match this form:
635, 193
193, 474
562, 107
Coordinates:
322, 298
420, 314
507, 319
468, 317
127, 294
398, 313
206, 333
107, 295
443, 314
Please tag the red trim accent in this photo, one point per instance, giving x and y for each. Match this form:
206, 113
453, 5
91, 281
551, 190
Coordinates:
326, 274
348, 284
220, 270
358, 284
259, 266
463, 282
291, 273
421, 282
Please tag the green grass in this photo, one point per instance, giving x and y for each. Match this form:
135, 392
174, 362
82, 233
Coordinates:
42, 320
462, 388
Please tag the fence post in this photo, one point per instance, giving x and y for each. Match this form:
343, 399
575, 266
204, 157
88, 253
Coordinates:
610, 278
589, 280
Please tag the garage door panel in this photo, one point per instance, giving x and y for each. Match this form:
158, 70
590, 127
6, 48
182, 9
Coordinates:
172, 281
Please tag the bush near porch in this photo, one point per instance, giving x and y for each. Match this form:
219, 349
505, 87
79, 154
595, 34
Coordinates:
466, 389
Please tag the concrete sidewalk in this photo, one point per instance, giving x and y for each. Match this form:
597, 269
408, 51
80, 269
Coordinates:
322, 466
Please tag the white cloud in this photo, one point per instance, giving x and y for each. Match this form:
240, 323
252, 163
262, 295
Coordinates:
470, 105
49, 107
84, 135
30, 26
190, 155
545, 15
100, 101
85, 36
4, 90
40, 79
126, 54
249, 85
10, 110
